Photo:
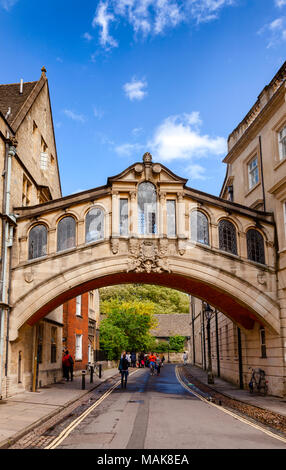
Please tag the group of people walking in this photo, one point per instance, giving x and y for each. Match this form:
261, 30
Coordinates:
152, 360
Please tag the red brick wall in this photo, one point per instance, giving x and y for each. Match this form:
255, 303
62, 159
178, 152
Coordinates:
75, 325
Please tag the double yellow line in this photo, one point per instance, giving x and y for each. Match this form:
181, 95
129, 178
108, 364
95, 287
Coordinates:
66, 432
221, 408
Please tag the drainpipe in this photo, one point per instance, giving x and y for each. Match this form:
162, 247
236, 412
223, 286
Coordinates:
262, 174
6, 243
217, 345
240, 358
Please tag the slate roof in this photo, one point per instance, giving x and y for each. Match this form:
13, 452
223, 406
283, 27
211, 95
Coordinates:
10, 97
171, 325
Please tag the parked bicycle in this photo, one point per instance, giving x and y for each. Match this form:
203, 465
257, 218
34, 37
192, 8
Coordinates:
258, 382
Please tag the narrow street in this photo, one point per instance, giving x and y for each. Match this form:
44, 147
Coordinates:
159, 413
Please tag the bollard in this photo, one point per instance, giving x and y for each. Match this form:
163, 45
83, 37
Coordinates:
91, 374
83, 372
99, 370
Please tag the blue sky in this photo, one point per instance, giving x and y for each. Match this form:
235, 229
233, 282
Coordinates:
172, 77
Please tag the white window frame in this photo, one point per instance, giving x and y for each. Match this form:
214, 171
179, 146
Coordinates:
78, 306
78, 347
253, 170
44, 160
282, 143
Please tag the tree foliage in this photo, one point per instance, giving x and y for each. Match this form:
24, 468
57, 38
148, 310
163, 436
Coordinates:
126, 326
164, 300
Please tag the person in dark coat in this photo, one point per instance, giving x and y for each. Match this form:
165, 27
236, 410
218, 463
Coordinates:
68, 366
133, 359
123, 369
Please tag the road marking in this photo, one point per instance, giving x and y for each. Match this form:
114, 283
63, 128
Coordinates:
66, 432
221, 408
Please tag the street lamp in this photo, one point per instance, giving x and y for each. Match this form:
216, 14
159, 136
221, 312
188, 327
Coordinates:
208, 314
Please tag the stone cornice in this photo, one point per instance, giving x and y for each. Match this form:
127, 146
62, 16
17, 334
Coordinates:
257, 123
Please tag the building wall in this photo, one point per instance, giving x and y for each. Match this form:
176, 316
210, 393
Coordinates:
228, 355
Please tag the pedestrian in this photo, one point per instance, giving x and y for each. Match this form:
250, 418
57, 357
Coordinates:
185, 357
123, 369
141, 360
133, 359
158, 364
128, 357
162, 360
68, 366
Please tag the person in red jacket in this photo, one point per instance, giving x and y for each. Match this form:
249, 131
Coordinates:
68, 366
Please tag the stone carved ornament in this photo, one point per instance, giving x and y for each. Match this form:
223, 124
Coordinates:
114, 245
146, 256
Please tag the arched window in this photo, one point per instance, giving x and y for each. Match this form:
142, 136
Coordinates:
147, 209
94, 225
227, 237
66, 233
38, 242
255, 246
199, 228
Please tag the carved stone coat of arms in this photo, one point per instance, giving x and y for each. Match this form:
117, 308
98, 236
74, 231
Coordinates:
145, 256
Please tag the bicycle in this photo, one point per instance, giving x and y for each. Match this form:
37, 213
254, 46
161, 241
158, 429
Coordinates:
258, 382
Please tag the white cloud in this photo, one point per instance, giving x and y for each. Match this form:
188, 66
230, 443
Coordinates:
87, 36
135, 90
127, 150
7, 4
98, 113
153, 17
179, 137
275, 31
280, 3
74, 116
102, 19
196, 172
137, 131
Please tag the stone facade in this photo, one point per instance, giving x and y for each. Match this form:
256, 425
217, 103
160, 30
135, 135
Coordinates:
255, 178
28, 164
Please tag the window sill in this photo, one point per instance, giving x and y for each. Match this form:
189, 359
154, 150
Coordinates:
252, 189
280, 162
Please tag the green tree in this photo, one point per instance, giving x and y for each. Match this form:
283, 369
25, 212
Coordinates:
164, 300
126, 326
177, 343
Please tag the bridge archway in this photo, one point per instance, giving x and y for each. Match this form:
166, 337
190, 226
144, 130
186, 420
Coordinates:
202, 280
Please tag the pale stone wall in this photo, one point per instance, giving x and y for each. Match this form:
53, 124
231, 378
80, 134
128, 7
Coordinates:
272, 364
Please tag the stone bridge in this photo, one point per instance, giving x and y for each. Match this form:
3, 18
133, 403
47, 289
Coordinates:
145, 226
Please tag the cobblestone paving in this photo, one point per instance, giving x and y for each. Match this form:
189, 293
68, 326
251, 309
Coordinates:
46, 432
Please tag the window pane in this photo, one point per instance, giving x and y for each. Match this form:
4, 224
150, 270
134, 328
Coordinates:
227, 237
171, 218
253, 175
123, 211
255, 246
147, 209
78, 347
199, 228
94, 225
66, 233
78, 305
38, 242
282, 144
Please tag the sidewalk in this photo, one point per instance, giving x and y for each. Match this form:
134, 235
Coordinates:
275, 404
22, 412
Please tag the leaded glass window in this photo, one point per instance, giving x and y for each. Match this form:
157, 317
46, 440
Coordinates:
123, 216
255, 246
199, 228
94, 225
171, 218
147, 209
38, 242
66, 233
227, 237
